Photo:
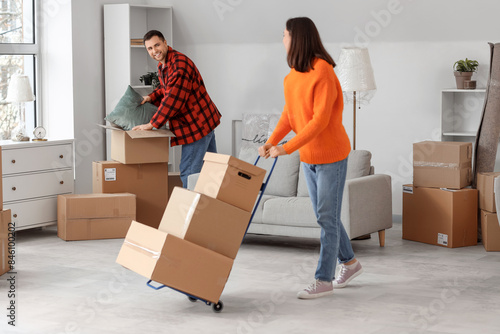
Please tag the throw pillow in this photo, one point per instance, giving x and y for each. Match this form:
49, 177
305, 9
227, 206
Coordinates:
129, 111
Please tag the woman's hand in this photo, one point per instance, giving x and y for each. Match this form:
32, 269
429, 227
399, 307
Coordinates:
264, 150
276, 151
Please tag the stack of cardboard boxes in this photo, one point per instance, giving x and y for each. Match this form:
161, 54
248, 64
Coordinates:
490, 228
199, 235
438, 209
132, 186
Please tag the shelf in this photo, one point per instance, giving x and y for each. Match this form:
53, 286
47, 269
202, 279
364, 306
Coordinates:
137, 46
142, 87
460, 134
454, 90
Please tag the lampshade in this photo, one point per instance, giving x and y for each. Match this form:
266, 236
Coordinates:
354, 70
19, 89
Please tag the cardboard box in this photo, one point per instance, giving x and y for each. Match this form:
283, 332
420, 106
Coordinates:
205, 221
442, 164
139, 147
149, 182
1, 185
490, 230
230, 180
440, 217
485, 186
5, 220
94, 216
175, 262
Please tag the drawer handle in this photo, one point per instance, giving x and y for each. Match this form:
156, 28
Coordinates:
14, 188
61, 182
61, 156
13, 161
14, 215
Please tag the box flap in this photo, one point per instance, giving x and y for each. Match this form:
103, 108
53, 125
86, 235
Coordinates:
233, 162
141, 133
150, 134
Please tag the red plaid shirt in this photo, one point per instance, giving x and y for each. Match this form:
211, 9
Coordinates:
182, 99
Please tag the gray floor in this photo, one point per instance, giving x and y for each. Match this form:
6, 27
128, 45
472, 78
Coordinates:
407, 287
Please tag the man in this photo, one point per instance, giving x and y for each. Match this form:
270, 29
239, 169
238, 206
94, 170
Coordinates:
183, 101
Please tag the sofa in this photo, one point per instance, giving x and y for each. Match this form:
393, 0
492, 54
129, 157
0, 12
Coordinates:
286, 210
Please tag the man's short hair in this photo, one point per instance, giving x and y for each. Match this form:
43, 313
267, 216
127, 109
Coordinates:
150, 34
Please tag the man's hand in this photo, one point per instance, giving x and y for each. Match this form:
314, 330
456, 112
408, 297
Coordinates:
146, 99
147, 126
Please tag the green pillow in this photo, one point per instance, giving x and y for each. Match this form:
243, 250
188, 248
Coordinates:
129, 111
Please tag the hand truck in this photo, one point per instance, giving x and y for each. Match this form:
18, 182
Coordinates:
217, 307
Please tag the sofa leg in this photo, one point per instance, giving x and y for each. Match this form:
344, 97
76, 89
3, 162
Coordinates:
381, 238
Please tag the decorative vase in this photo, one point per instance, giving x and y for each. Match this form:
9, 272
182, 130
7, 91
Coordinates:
460, 77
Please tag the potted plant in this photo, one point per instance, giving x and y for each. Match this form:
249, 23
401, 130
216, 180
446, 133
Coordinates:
464, 70
150, 78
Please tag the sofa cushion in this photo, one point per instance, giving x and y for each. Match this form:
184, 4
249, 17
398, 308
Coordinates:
256, 129
358, 164
283, 181
289, 211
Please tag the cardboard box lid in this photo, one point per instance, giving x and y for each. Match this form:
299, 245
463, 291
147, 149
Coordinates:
442, 154
141, 133
233, 162
75, 206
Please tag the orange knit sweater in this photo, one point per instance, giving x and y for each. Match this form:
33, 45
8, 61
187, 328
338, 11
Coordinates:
313, 110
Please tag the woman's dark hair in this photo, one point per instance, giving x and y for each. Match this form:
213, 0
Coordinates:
150, 34
305, 44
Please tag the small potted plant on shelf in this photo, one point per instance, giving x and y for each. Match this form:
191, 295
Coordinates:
464, 70
150, 78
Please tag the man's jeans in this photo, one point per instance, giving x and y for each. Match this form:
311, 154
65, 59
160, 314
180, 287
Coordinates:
192, 156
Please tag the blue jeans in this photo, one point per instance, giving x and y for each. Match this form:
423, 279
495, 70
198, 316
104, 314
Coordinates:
325, 183
192, 156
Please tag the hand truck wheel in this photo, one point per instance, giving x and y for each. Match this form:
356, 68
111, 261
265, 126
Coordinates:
218, 307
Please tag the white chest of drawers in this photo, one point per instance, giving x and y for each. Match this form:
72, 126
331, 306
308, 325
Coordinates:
33, 174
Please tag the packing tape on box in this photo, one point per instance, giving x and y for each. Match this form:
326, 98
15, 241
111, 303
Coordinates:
440, 164
190, 212
156, 255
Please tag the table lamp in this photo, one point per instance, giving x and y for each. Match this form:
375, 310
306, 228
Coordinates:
355, 74
19, 91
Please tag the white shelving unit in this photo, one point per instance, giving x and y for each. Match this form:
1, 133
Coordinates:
125, 63
461, 111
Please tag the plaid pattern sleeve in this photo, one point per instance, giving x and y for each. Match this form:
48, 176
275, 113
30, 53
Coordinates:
183, 101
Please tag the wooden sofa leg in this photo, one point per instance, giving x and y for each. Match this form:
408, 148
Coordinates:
381, 238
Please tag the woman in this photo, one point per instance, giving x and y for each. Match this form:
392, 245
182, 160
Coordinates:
313, 110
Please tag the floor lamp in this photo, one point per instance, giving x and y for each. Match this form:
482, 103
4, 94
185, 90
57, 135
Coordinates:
20, 92
355, 74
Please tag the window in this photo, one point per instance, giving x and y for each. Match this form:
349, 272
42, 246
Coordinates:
18, 55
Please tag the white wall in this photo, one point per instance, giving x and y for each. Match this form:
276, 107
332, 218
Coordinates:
237, 46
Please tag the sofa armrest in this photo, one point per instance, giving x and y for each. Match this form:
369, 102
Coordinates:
192, 181
367, 205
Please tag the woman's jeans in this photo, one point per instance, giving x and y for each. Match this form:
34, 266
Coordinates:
193, 154
326, 188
